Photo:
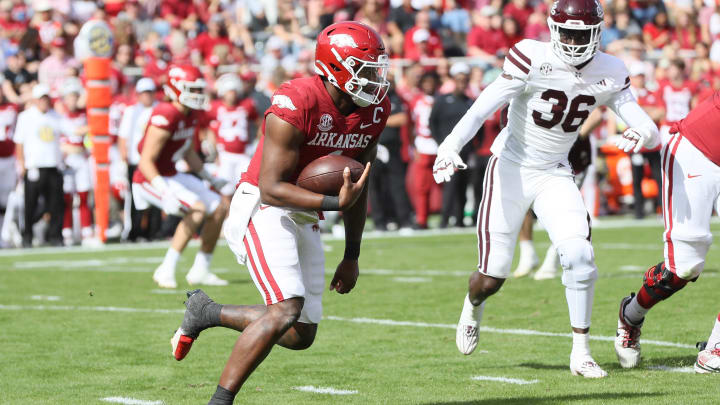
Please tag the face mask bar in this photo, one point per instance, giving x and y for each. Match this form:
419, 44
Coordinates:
577, 53
368, 84
192, 94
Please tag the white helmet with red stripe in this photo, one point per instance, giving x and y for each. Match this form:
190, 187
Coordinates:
229, 82
187, 86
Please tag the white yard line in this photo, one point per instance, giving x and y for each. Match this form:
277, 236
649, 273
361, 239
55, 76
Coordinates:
412, 279
633, 267
130, 401
517, 381
386, 322
672, 369
166, 291
45, 297
325, 390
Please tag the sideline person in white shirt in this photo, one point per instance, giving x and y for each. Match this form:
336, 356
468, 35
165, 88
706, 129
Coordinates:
37, 138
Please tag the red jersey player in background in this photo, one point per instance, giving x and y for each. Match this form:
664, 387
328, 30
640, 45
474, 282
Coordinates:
168, 139
230, 119
425, 147
8, 181
691, 189
273, 223
76, 176
676, 94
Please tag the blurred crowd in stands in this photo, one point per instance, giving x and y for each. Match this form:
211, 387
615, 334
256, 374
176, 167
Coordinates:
444, 52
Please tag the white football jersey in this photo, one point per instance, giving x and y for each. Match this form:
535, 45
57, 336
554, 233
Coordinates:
545, 117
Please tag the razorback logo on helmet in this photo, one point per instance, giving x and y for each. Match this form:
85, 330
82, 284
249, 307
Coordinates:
342, 40
177, 72
283, 101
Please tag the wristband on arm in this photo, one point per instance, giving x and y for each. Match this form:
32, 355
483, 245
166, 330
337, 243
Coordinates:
330, 203
352, 250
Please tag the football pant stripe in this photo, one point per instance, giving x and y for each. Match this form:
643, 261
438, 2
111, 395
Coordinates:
518, 64
487, 216
266, 269
521, 55
481, 212
255, 274
669, 178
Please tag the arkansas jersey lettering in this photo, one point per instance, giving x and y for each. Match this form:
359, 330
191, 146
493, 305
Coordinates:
326, 129
341, 141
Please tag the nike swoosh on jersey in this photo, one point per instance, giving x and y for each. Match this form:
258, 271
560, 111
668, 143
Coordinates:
692, 176
363, 126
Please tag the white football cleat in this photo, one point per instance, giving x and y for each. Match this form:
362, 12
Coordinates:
708, 361
165, 277
466, 334
526, 264
627, 339
586, 367
204, 277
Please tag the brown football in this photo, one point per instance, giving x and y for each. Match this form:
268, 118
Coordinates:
324, 175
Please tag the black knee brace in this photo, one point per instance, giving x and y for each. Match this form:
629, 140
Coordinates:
660, 283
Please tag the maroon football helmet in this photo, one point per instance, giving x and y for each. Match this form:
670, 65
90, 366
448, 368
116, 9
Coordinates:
575, 28
352, 57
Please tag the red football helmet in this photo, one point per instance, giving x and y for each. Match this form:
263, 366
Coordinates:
186, 86
352, 57
575, 28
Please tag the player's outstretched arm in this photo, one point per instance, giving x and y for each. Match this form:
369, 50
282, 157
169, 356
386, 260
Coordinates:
642, 131
281, 150
497, 94
348, 271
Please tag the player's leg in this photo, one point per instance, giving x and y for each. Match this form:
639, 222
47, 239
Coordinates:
500, 216
687, 208
548, 268
83, 186
422, 180
708, 360
528, 257
68, 195
215, 213
560, 208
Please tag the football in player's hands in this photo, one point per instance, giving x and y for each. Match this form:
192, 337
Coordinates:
579, 155
324, 175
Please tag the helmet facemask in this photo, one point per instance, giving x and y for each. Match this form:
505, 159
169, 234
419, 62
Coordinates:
573, 41
192, 94
368, 84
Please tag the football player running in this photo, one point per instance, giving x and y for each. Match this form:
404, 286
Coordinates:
552, 87
168, 139
273, 224
690, 160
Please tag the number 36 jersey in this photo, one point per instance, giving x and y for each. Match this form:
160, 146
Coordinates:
545, 116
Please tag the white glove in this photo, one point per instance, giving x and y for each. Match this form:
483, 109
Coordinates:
632, 139
170, 203
446, 164
383, 154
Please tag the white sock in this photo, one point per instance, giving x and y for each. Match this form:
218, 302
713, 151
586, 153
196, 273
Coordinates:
527, 249
634, 312
714, 338
202, 260
471, 312
171, 258
580, 306
581, 344
551, 259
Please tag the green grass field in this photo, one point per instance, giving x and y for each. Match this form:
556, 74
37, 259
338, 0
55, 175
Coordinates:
77, 326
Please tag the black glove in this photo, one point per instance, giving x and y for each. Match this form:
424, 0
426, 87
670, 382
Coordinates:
579, 155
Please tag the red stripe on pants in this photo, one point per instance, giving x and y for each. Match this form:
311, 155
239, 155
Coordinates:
268, 299
668, 213
422, 186
263, 262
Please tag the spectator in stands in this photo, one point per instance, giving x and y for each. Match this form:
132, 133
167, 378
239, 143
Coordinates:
16, 80
701, 65
401, 20
53, 69
626, 25
511, 34
484, 39
131, 131
413, 47
425, 147
456, 20
8, 180
644, 10
37, 137
389, 201
686, 32
520, 11
446, 112
216, 35
657, 33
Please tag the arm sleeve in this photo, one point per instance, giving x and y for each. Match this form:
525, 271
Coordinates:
626, 107
497, 94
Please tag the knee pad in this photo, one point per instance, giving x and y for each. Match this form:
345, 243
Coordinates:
578, 262
690, 269
660, 283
